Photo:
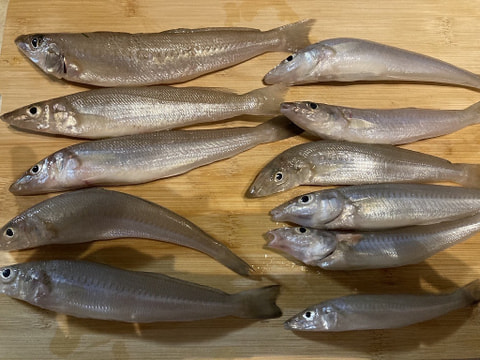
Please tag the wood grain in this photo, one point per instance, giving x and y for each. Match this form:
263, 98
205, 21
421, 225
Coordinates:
213, 196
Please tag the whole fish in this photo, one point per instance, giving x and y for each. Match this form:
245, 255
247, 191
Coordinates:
122, 59
349, 60
98, 214
141, 158
379, 206
334, 250
364, 312
380, 126
91, 290
330, 162
108, 112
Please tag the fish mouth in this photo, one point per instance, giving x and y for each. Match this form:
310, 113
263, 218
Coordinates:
287, 108
272, 240
21, 43
291, 324
272, 77
256, 191
276, 214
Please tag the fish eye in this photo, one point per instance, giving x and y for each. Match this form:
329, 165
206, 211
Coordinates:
278, 176
9, 232
35, 169
307, 315
305, 199
36, 41
289, 58
301, 230
6, 273
313, 106
33, 110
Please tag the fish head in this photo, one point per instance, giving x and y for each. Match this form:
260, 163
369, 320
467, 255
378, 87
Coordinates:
300, 67
317, 117
43, 51
25, 282
282, 173
54, 173
312, 210
321, 317
305, 244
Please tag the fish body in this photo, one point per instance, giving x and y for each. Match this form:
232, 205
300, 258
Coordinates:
379, 126
350, 60
141, 158
97, 214
365, 311
123, 59
330, 162
379, 206
91, 290
108, 112
334, 250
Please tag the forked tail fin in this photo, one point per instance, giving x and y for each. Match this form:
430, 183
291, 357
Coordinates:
258, 303
294, 36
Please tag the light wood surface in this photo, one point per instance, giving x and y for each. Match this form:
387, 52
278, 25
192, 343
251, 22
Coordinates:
213, 196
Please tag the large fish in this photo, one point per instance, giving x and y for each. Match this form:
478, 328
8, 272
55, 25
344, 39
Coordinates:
108, 112
379, 206
141, 158
122, 59
330, 162
335, 250
348, 60
91, 290
364, 312
98, 214
379, 126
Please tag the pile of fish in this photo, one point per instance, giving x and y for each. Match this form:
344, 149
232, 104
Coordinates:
386, 219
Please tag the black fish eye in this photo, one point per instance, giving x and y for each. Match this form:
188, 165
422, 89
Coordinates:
33, 110
305, 199
9, 232
308, 315
36, 41
289, 58
6, 273
313, 106
302, 230
35, 169
278, 176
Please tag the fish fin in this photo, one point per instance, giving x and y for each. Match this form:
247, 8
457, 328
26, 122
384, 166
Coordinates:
294, 36
469, 175
473, 113
349, 238
258, 303
278, 128
200, 30
267, 99
472, 290
355, 123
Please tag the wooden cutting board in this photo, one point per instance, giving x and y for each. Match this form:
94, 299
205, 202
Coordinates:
213, 196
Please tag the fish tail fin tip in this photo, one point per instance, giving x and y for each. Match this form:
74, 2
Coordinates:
469, 175
259, 303
295, 36
472, 289
236, 264
278, 128
268, 99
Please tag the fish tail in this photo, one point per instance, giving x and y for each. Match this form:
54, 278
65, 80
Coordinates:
294, 36
258, 303
472, 291
234, 263
277, 129
469, 175
473, 113
267, 99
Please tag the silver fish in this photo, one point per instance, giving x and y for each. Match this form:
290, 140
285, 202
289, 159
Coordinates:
108, 112
380, 206
122, 59
141, 158
91, 290
349, 60
329, 162
98, 214
379, 126
334, 250
364, 312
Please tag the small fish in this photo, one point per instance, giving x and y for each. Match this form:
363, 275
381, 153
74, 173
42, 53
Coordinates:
330, 162
379, 206
334, 250
173, 56
108, 112
349, 60
141, 158
365, 312
91, 290
98, 214
379, 126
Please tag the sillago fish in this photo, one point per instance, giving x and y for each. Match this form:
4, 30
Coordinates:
349, 60
123, 59
335, 250
108, 112
98, 214
364, 312
141, 158
379, 126
379, 206
91, 290
330, 162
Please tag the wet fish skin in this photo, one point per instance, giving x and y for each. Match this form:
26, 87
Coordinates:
98, 214
330, 162
379, 206
91, 290
335, 250
142, 158
378, 126
108, 112
350, 60
365, 312
173, 56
